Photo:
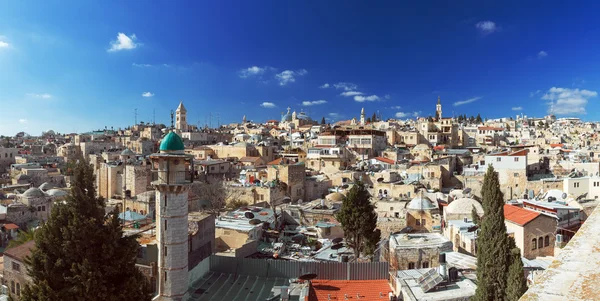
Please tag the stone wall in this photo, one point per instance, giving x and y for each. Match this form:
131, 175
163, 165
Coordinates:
21, 214
15, 279
418, 256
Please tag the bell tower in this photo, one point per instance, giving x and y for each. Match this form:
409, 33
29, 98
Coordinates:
362, 116
172, 176
181, 115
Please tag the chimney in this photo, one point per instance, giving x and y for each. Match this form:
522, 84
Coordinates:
443, 269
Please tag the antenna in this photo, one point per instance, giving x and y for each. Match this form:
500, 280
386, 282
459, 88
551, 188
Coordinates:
135, 116
172, 127
153, 116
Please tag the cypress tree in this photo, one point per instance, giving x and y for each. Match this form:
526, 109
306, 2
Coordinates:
492, 243
359, 221
323, 120
81, 254
475, 216
516, 284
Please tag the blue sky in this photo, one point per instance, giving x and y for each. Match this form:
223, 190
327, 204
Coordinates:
73, 66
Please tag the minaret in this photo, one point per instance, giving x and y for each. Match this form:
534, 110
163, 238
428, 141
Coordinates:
244, 119
174, 171
438, 109
362, 116
181, 123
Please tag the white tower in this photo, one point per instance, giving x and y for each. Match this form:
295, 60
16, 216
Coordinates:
438, 109
173, 176
362, 116
181, 121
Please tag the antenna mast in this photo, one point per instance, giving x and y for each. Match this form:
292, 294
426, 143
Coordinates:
172, 114
135, 116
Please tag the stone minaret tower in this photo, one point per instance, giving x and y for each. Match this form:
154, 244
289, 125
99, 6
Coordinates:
181, 115
173, 176
362, 116
438, 109
244, 119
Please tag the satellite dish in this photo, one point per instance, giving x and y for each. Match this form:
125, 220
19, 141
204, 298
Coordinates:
467, 190
380, 180
254, 221
345, 186
564, 195
249, 215
337, 240
308, 277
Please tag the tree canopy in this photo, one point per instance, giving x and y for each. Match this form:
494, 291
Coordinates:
80, 253
359, 221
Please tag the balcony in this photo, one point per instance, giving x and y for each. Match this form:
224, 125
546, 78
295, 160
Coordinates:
172, 178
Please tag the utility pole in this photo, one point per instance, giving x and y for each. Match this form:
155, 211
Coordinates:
135, 116
153, 116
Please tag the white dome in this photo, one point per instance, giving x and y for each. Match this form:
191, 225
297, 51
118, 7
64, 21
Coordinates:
33, 192
56, 192
421, 203
464, 206
421, 147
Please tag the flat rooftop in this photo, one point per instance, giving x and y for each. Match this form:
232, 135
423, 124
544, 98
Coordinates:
460, 290
418, 240
219, 286
575, 273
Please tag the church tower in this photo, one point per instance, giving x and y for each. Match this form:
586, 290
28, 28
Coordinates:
173, 173
438, 109
181, 115
362, 116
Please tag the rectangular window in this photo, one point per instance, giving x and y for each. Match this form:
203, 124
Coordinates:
165, 276
516, 159
516, 174
576, 185
391, 208
411, 265
165, 251
165, 224
16, 266
425, 264
418, 222
165, 201
498, 159
423, 222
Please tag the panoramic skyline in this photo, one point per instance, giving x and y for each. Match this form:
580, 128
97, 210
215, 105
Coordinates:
75, 66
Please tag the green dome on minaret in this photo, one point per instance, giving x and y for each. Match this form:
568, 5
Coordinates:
171, 142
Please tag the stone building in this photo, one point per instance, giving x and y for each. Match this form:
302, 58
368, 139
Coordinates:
38, 201
416, 251
423, 215
292, 175
7, 157
534, 232
15, 275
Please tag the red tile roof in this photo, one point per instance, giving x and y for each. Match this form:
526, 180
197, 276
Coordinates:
385, 160
553, 145
489, 128
10, 226
21, 251
337, 289
519, 216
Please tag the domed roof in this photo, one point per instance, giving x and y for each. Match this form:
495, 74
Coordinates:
421, 159
46, 186
171, 142
56, 192
335, 197
421, 147
33, 192
421, 203
127, 152
464, 206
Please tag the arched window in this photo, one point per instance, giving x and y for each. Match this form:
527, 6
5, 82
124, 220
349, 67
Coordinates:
135, 210
18, 289
540, 242
12, 286
142, 212
534, 244
547, 241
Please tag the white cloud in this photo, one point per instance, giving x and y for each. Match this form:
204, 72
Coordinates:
43, 95
147, 94
313, 103
4, 44
532, 94
360, 98
351, 93
387, 96
289, 76
466, 101
542, 54
334, 115
141, 65
402, 115
417, 114
396, 107
564, 101
324, 86
268, 105
517, 108
123, 42
252, 71
345, 86
487, 27
22, 121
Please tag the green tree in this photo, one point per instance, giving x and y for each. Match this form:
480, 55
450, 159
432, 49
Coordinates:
374, 117
23, 237
516, 284
359, 221
492, 242
80, 252
478, 119
475, 216
368, 119
323, 120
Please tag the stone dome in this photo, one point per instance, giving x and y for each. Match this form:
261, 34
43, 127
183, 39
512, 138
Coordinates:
46, 186
171, 142
56, 193
421, 147
127, 152
464, 206
335, 197
421, 159
421, 203
33, 192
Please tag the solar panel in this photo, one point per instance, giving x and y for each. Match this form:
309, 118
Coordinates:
429, 280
